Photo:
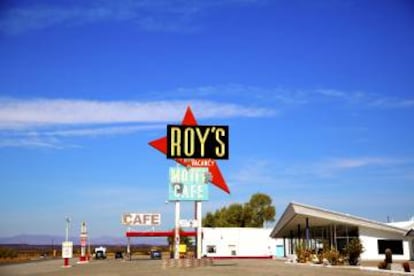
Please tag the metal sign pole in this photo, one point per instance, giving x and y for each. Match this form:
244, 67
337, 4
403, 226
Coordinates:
177, 231
129, 244
199, 229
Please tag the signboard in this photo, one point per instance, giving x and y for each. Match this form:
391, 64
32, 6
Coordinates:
134, 219
198, 141
185, 142
67, 249
192, 223
188, 184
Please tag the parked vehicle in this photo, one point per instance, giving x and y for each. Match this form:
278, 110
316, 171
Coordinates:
100, 253
119, 255
155, 254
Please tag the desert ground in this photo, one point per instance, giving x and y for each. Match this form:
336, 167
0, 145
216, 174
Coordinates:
145, 266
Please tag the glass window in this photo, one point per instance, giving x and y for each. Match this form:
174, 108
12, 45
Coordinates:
396, 246
211, 249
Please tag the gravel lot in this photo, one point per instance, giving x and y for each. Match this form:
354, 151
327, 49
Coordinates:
154, 267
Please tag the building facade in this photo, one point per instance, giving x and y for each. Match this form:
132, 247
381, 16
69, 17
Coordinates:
235, 242
314, 227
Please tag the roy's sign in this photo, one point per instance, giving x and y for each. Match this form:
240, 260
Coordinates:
188, 183
136, 219
199, 141
194, 145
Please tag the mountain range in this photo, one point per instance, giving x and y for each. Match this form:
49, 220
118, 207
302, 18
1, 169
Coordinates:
55, 239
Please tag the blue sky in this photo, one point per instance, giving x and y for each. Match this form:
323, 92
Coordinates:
319, 97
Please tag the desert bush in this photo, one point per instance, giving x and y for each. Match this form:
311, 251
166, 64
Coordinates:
353, 250
332, 256
303, 255
6, 253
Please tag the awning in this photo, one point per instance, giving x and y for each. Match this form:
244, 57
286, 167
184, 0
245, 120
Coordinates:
297, 213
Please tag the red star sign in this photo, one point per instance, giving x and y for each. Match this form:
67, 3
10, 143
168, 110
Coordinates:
216, 176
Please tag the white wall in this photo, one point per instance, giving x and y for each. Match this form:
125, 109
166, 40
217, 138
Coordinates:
369, 239
247, 242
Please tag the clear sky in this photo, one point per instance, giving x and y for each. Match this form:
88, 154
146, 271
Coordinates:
319, 97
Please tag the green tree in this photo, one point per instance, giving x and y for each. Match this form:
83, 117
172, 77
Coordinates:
251, 214
209, 220
234, 215
262, 210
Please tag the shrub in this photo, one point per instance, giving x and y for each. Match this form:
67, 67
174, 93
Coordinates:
332, 256
6, 253
303, 255
353, 250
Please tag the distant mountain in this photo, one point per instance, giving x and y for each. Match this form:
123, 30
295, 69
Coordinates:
54, 239
32, 239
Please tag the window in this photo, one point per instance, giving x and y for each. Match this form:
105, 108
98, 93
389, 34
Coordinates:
396, 246
211, 249
232, 249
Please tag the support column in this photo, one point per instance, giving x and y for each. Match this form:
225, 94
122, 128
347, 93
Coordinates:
199, 229
284, 247
307, 234
291, 242
177, 231
330, 236
347, 235
129, 247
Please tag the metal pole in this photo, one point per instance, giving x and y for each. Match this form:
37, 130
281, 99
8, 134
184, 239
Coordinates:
67, 228
129, 244
177, 231
199, 228
129, 248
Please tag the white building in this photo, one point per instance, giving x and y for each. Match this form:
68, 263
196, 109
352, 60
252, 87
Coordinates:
232, 242
304, 224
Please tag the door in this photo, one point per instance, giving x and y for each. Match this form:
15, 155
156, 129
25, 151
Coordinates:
280, 251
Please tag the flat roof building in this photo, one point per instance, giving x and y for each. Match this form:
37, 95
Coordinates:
314, 226
238, 242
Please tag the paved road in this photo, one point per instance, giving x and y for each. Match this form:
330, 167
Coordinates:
154, 267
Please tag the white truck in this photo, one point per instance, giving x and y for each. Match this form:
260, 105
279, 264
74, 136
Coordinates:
100, 252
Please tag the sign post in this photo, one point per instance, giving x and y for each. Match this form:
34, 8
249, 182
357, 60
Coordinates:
129, 245
199, 228
196, 147
83, 242
67, 252
177, 231
67, 246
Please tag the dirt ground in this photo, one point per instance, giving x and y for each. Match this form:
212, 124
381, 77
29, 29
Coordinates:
145, 266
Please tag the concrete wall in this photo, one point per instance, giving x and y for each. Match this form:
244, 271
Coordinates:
244, 242
369, 239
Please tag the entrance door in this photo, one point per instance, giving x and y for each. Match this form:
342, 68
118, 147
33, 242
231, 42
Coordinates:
280, 251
